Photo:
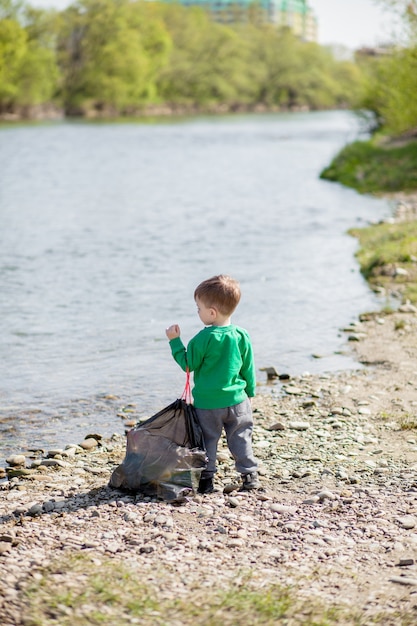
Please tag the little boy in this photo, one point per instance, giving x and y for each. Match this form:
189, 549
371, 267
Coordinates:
221, 358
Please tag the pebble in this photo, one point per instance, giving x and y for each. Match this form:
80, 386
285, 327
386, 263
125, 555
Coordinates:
299, 425
16, 460
89, 444
407, 521
35, 509
5, 546
404, 580
326, 495
292, 390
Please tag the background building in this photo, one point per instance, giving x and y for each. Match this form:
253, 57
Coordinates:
297, 15
294, 14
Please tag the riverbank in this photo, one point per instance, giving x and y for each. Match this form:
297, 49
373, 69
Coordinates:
51, 113
334, 526
331, 538
379, 165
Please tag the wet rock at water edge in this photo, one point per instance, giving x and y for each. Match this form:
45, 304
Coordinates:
90, 443
16, 460
271, 372
17, 472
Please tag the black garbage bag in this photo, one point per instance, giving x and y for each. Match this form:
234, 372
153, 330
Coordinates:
165, 455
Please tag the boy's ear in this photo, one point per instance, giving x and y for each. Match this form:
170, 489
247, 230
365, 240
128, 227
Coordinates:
213, 312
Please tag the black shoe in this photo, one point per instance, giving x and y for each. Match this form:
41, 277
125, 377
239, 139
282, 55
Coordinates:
250, 481
206, 485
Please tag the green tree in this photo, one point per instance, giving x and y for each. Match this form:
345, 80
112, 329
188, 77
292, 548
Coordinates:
208, 62
390, 90
28, 71
13, 48
289, 72
110, 52
391, 79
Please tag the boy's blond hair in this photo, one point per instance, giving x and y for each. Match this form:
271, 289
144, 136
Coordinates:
221, 292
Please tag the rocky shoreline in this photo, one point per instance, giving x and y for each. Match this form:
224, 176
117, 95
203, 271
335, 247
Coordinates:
336, 516
51, 112
335, 519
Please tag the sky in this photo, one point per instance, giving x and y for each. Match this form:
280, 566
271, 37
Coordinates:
351, 23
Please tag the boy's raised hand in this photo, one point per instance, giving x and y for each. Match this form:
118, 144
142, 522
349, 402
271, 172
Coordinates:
172, 332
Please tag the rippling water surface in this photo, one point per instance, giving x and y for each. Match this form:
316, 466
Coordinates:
107, 228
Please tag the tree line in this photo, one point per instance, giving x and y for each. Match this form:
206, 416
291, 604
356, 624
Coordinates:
390, 80
121, 57
386, 162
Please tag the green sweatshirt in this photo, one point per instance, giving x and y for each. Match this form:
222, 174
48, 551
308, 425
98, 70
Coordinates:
221, 358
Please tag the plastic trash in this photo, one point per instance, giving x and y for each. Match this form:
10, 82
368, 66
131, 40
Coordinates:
165, 455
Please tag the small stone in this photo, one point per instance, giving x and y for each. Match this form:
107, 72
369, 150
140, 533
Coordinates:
230, 487
294, 391
309, 404
54, 463
147, 549
57, 452
407, 308
162, 520
275, 507
35, 509
271, 372
404, 580
235, 543
5, 546
299, 425
407, 521
326, 495
311, 500
233, 502
277, 426
17, 473
405, 562
89, 444
401, 271
262, 444
16, 460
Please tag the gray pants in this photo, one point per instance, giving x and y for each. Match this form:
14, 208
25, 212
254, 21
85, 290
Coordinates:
237, 422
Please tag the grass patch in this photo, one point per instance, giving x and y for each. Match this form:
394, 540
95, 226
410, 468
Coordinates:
408, 422
388, 255
87, 593
370, 168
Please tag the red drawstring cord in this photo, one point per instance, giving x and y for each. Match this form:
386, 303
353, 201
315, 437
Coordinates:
186, 394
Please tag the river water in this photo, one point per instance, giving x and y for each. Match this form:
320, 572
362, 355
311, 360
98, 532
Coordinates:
106, 228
